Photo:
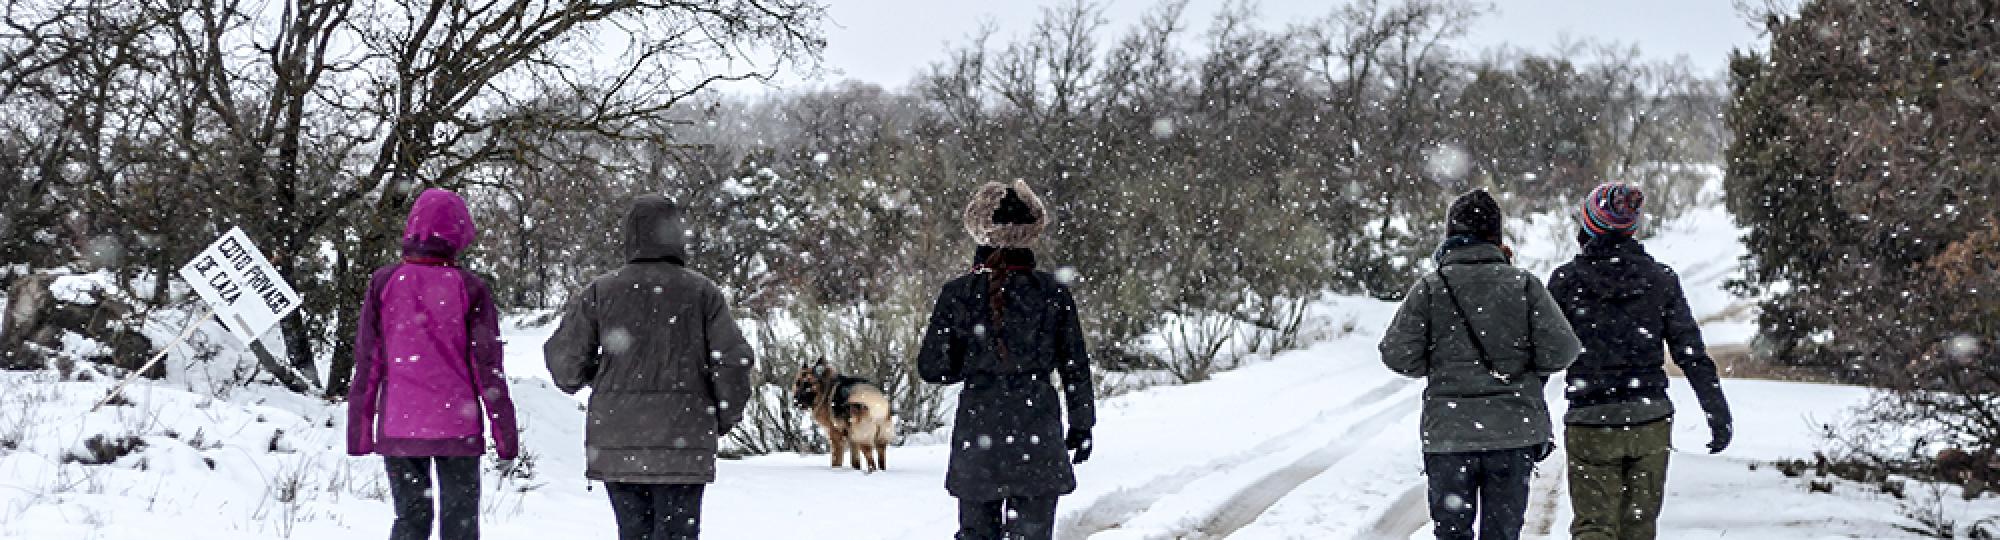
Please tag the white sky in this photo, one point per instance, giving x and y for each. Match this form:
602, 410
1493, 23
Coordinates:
888, 42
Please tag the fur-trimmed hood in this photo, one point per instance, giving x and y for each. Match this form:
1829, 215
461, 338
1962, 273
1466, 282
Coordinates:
979, 223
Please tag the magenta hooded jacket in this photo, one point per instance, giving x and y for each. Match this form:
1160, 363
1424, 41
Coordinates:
427, 360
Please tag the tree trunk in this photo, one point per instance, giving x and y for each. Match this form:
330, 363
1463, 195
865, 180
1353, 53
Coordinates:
285, 373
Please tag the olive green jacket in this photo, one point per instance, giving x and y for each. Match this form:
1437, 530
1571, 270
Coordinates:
1466, 407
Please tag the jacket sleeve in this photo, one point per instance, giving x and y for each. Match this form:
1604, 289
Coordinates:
1079, 390
730, 362
1685, 343
571, 352
365, 387
489, 373
1406, 346
941, 356
1559, 280
1556, 345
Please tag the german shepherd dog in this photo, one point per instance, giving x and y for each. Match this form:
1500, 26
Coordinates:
853, 412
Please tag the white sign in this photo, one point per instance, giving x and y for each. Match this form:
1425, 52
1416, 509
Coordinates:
242, 287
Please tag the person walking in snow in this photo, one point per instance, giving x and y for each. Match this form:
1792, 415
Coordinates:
428, 377
1619, 427
669, 374
1003, 330
1486, 336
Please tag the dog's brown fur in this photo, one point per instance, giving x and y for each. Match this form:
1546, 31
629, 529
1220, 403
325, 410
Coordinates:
865, 432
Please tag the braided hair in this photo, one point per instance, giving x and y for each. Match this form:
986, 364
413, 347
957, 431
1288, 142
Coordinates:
1011, 211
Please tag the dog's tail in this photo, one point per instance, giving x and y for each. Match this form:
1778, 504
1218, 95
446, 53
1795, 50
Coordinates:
870, 404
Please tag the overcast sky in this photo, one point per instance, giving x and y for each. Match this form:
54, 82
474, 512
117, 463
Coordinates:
887, 42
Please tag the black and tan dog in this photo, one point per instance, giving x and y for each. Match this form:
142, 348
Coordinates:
853, 412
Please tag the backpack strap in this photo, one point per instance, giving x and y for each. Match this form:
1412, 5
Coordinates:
1485, 361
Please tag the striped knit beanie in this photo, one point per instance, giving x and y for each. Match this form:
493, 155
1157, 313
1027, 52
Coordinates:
1613, 207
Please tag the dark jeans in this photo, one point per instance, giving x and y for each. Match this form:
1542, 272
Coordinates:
656, 511
457, 486
1490, 486
1013, 518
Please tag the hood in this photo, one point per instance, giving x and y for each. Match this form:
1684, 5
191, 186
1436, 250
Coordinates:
440, 225
1476, 214
1465, 249
1614, 266
655, 230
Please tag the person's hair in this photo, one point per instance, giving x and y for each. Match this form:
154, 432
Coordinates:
996, 297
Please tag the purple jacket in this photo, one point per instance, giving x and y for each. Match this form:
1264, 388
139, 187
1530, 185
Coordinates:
427, 349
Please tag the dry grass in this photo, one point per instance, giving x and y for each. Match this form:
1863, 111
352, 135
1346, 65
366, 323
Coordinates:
1736, 362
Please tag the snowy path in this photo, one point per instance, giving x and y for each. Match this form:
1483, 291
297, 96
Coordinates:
1319, 443
1382, 495
1171, 461
1187, 505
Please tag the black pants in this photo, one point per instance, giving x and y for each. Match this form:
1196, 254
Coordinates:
457, 486
656, 511
1013, 518
1491, 486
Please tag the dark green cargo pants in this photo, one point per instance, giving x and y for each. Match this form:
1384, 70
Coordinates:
1617, 478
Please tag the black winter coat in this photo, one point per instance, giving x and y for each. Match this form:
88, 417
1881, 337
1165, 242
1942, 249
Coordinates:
1625, 307
1008, 437
668, 369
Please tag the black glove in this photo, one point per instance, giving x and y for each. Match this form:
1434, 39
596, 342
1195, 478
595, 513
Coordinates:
1720, 433
1078, 442
1544, 450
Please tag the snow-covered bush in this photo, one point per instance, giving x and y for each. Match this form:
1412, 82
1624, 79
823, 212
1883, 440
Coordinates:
877, 342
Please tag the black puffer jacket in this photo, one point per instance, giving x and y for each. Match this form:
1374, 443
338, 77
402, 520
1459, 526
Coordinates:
1625, 307
1008, 437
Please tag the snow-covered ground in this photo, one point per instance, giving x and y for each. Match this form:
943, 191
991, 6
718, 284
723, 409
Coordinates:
1313, 443
1316, 443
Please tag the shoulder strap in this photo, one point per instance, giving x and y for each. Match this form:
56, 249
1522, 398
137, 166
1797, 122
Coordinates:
1478, 345
1528, 295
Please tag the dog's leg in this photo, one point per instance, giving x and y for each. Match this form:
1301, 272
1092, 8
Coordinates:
882, 453
854, 454
867, 452
837, 443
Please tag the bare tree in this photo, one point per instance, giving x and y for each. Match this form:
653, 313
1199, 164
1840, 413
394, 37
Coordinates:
311, 123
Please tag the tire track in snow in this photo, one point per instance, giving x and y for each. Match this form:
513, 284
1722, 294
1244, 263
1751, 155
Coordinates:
1247, 505
1111, 511
1405, 517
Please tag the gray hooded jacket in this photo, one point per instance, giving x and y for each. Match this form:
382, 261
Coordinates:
1467, 408
668, 368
